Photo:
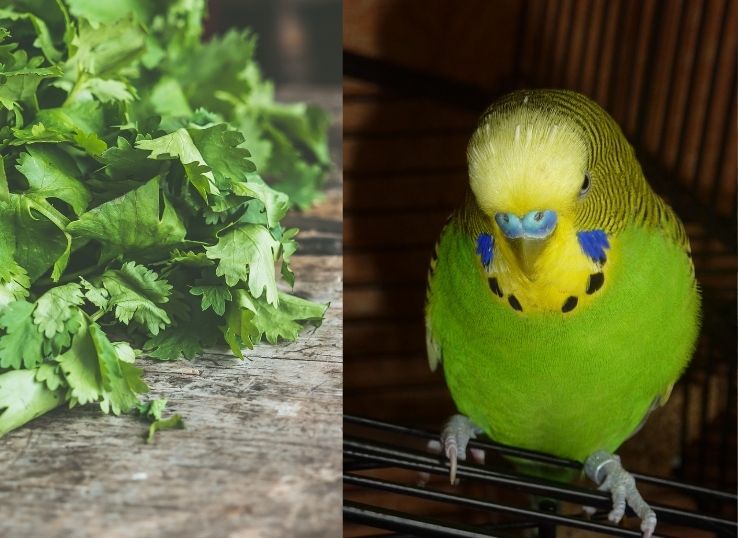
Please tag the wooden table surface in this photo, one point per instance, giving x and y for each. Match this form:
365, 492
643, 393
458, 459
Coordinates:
261, 455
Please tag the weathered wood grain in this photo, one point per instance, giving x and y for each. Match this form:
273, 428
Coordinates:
261, 453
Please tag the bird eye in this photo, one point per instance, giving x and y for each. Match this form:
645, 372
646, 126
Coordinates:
585, 185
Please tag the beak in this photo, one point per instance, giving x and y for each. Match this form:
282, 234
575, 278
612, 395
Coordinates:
527, 236
526, 251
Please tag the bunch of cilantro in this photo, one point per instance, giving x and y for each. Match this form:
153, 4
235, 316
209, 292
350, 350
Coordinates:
132, 215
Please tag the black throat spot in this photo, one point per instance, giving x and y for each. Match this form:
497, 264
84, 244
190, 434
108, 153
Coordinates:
596, 280
515, 303
570, 304
494, 285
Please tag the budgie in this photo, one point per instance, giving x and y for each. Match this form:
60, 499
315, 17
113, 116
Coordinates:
562, 301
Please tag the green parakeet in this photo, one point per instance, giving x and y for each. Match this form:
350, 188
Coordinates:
561, 300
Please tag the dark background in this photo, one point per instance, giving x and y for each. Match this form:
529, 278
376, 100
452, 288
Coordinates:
299, 40
417, 76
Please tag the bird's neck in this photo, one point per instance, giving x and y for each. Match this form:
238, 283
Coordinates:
564, 279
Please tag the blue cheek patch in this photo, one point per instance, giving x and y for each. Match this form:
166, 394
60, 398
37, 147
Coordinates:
485, 244
594, 243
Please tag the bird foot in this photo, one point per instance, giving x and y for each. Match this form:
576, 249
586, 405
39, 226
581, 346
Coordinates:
605, 470
455, 437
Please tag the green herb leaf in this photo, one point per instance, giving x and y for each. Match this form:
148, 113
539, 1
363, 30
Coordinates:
136, 293
214, 297
21, 344
247, 253
132, 223
143, 180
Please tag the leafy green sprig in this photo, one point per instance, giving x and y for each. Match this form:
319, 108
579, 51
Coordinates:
132, 215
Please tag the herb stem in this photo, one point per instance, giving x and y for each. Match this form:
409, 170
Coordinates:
44, 282
81, 79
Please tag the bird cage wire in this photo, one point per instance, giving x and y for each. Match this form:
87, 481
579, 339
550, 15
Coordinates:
694, 80
364, 454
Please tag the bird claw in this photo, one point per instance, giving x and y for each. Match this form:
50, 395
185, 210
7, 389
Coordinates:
455, 437
606, 470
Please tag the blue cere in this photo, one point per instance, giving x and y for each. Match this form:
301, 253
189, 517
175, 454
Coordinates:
539, 224
485, 244
594, 243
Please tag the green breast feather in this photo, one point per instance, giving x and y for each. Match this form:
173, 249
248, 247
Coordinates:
565, 385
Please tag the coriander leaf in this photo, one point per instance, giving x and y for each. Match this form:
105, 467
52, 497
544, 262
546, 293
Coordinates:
176, 145
275, 203
179, 145
97, 296
21, 78
200, 177
247, 253
219, 147
169, 423
168, 99
125, 352
104, 50
14, 281
240, 330
289, 247
20, 346
89, 142
174, 343
302, 181
121, 381
61, 124
126, 162
152, 409
108, 12
22, 399
214, 297
108, 90
43, 40
48, 374
259, 145
185, 339
304, 126
51, 173
94, 372
81, 368
136, 293
222, 58
39, 242
55, 307
189, 259
281, 321
131, 223
13, 289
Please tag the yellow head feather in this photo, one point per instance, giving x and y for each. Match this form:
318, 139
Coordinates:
526, 161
